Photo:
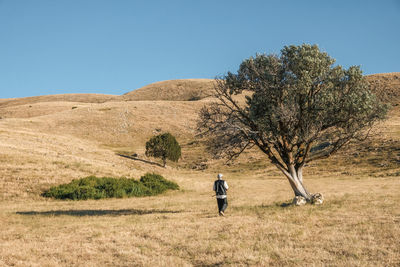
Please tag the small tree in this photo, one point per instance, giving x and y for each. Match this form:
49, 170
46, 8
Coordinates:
164, 146
296, 108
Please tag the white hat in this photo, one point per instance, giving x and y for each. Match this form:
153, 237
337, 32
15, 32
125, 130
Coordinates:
219, 175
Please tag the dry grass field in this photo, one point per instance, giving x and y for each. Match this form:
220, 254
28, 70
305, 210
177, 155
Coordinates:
175, 90
59, 138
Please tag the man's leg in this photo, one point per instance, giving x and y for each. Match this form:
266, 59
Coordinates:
220, 203
225, 204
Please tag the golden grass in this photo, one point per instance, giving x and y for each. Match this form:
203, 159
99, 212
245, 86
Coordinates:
357, 226
176, 90
173, 90
85, 98
386, 86
53, 142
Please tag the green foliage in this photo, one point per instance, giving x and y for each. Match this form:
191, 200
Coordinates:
96, 188
293, 102
157, 184
295, 107
164, 146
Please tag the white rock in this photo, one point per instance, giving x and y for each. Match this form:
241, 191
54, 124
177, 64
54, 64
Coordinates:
299, 201
317, 199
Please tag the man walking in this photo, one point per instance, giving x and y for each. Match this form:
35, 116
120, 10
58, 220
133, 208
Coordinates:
220, 188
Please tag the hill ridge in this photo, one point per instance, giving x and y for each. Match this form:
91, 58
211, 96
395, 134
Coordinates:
385, 85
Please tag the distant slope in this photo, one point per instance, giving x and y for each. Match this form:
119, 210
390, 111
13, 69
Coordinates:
83, 98
386, 86
52, 139
173, 90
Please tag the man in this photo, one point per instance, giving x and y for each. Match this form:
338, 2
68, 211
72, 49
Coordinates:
220, 188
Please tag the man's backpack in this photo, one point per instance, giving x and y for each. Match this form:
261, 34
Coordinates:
220, 187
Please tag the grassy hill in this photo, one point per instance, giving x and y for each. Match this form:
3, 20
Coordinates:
121, 124
49, 140
386, 86
85, 98
175, 90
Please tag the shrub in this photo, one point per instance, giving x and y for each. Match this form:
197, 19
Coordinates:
106, 187
158, 184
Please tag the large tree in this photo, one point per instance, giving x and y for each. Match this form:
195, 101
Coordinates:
295, 107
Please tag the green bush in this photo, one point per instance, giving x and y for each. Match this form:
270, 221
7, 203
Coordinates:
157, 184
105, 187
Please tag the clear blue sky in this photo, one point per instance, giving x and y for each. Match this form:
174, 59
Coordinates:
115, 46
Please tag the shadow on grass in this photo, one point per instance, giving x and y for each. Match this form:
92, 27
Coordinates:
265, 207
141, 160
284, 204
80, 213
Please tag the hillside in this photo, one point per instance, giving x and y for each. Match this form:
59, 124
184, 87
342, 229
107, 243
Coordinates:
46, 141
174, 90
109, 124
85, 98
386, 86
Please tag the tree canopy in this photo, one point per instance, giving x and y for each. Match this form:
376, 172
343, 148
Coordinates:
164, 146
295, 107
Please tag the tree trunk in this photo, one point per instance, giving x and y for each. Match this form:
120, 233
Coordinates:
295, 178
299, 189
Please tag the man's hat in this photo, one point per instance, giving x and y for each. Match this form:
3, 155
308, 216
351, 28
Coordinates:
219, 175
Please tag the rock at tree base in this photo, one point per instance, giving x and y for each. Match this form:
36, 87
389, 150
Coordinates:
299, 201
317, 199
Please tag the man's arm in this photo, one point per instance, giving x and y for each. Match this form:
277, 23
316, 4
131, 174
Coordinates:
226, 186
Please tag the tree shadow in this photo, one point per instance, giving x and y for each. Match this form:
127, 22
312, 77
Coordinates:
272, 206
286, 204
80, 213
141, 160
